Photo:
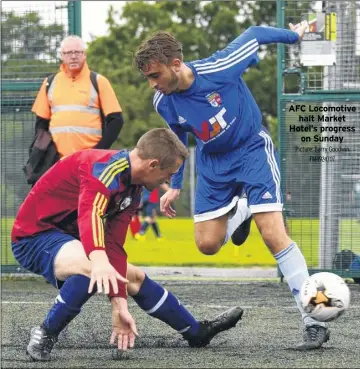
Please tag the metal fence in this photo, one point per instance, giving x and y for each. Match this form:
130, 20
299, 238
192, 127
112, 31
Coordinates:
30, 40
319, 135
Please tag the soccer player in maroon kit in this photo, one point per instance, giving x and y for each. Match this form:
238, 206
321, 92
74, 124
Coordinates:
71, 229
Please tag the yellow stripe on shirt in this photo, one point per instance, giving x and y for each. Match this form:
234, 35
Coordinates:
116, 170
110, 167
99, 206
93, 218
100, 222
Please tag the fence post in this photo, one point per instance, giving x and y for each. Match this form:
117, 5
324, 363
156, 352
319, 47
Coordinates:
74, 17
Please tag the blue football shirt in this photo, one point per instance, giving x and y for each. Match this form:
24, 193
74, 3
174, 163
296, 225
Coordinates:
218, 108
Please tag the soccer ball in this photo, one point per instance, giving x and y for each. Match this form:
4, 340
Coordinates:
325, 296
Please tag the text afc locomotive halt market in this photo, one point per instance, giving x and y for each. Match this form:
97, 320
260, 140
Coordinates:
325, 119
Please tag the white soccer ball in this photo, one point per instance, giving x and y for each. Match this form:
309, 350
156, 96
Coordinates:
325, 296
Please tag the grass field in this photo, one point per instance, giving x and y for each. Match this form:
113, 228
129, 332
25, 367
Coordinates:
178, 247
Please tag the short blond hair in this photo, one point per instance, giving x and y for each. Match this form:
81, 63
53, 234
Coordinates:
162, 144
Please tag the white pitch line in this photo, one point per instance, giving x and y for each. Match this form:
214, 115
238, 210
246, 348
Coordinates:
211, 306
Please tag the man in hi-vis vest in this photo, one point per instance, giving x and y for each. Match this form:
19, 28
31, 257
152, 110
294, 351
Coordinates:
78, 112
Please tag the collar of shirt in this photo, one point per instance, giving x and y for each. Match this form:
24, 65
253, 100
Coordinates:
194, 86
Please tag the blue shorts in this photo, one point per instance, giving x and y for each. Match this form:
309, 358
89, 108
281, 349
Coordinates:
148, 209
37, 253
223, 177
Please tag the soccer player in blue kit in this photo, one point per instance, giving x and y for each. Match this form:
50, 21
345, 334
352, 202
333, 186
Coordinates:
234, 153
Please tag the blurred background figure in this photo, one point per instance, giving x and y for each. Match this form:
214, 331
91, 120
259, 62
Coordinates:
150, 202
135, 223
76, 109
78, 114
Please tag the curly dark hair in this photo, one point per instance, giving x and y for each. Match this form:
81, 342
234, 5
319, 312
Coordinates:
161, 46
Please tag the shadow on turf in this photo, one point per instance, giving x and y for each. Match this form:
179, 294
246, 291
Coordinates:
155, 342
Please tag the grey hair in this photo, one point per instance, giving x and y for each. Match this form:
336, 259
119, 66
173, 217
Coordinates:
72, 38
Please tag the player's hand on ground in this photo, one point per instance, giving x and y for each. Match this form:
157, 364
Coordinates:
123, 329
166, 201
103, 274
299, 28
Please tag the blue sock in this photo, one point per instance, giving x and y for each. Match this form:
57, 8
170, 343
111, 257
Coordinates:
162, 304
144, 228
156, 229
73, 295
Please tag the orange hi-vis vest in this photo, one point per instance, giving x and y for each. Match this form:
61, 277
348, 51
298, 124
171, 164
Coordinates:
73, 107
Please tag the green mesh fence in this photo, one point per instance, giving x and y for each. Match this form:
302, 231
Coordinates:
345, 74
319, 131
30, 41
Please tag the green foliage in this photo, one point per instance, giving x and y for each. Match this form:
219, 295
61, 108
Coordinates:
203, 28
27, 37
7, 196
28, 46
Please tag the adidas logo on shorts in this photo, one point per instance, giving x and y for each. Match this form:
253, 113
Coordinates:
266, 196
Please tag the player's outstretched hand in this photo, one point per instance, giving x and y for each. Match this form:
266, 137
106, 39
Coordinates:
123, 329
299, 28
103, 273
166, 200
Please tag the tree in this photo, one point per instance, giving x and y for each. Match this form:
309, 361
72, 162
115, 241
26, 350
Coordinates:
202, 27
29, 46
27, 38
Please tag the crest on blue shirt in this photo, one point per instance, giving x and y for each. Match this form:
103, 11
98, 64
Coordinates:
214, 99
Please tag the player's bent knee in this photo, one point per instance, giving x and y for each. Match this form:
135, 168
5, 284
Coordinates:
208, 246
136, 277
210, 235
71, 259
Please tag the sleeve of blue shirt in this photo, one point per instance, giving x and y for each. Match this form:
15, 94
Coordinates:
230, 63
176, 179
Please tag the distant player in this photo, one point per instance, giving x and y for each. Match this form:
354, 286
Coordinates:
135, 223
209, 99
150, 202
71, 229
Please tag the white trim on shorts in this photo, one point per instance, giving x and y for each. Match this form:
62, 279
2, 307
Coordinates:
216, 213
270, 155
265, 208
